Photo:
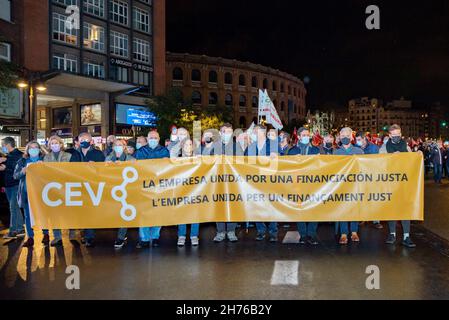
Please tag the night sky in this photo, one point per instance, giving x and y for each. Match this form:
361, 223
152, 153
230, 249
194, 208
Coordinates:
326, 41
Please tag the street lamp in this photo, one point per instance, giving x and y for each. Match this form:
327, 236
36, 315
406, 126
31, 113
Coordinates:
34, 81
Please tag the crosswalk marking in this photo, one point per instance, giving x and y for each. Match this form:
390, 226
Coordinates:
285, 273
291, 237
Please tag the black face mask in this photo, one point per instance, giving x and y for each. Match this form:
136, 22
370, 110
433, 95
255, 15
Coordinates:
396, 139
209, 140
346, 141
328, 145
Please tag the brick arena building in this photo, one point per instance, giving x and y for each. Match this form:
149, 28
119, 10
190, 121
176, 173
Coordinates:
225, 82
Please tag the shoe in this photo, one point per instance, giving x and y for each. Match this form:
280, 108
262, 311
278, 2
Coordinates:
89, 243
273, 238
10, 235
143, 244
302, 240
46, 240
378, 226
29, 243
408, 243
20, 234
181, 241
232, 237
391, 239
260, 237
195, 241
56, 243
355, 237
343, 239
220, 237
313, 241
155, 243
119, 243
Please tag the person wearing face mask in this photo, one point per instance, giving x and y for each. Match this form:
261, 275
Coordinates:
175, 144
207, 147
120, 154
153, 150
307, 230
327, 148
395, 145
284, 143
368, 148
87, 153
57, 154
187, 152
437, 158
33, 154
345, 150
261, 146
7, 165
141, 142
109, 145
226, 147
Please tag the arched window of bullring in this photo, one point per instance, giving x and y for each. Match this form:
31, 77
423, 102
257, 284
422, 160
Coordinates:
178, 74
254, 82
213, 99
242, 101
282, 87
213, 77
228, 78
228, 100
275, 87
242, 80
196, 75
265, 83
255, 102
196, 97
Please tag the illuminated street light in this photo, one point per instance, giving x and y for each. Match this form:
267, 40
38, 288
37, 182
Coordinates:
22, 84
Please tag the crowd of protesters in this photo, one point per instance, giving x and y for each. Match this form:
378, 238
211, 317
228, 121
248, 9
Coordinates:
256, 141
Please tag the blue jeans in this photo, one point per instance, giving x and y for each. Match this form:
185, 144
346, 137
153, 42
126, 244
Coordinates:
57, 233
194, 230
89, 234
344, 227
307, 229
262, 228
222, 227
121, 234
149, 233
16, 218
28, 227
437, 172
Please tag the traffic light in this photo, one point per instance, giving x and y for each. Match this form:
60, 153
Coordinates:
444, 123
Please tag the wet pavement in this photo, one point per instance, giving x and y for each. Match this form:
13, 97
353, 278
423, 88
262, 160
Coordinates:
244, 270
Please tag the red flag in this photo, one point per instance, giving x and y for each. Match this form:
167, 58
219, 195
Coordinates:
295, 137
317, 139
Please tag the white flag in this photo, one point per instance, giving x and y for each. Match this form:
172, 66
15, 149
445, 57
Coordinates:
272, 116
264, 108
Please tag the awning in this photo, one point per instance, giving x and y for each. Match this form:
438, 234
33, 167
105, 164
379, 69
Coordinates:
80, 82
